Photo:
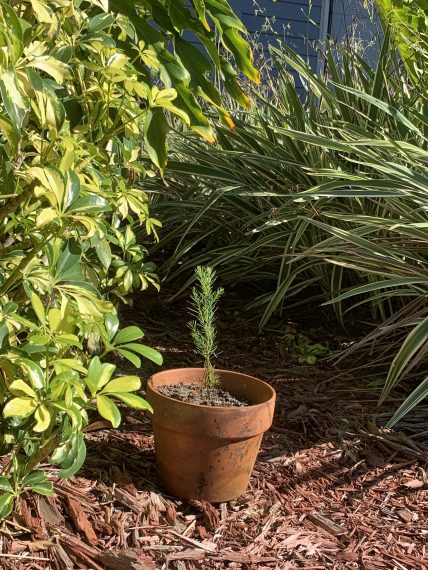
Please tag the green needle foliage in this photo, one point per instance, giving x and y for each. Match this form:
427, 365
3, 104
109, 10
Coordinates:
204, 304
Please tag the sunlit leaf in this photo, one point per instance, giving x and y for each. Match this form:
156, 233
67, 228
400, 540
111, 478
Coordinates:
108, 410
123, 384
21, 407
133, 401
20, 388
43, 419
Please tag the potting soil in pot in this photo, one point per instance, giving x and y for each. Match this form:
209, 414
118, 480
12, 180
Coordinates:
195, 394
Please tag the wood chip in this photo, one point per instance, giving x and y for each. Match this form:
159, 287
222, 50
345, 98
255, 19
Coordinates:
326, 524
405, 515
127, 500
186, 555
414, 484
49, 513
63, 561
81, 521
128, 559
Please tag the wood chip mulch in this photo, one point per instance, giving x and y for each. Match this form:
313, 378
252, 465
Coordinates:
330, 490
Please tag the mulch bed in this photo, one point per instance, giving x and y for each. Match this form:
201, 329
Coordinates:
330, 488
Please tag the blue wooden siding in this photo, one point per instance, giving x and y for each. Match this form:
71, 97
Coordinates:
298, 24
352, 19
295, 22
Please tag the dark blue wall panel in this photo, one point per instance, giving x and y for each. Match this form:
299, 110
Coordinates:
294, 21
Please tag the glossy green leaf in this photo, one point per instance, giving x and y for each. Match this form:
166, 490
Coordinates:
6, 504
104, 253
112, 324
34, 372
133, 358
68, 267
45, 489
34, 478
146, 351
5, 485
128, 334
75, 458
98, 374
155, 130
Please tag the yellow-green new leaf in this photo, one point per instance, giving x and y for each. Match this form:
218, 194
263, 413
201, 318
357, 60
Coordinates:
42, 12
46, 216
43, 419
123, 384
54, 318
20, 388
38, 307
19, 407
15, 103
108, 410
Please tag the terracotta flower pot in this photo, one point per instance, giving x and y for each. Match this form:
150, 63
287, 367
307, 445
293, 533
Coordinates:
206, 452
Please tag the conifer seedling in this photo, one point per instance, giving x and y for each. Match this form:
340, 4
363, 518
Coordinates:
203, 305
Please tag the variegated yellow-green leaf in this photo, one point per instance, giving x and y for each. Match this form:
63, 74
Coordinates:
54, 318
46, 216
15, 102
133, 401
6, 504
123, 384
21, 388
43, 419
34, 372
38, 307
19, 407
108, 410
42, 11
57, 69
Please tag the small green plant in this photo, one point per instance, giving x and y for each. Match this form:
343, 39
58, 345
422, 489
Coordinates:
204, 303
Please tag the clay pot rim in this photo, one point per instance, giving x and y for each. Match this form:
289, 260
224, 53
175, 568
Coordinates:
222, 408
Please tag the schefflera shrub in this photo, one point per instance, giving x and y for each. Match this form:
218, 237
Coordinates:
85, 92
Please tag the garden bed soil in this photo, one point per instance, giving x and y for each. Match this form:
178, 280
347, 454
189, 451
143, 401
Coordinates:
330, 489
195, 394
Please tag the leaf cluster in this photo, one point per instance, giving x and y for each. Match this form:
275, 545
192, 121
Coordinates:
87, 92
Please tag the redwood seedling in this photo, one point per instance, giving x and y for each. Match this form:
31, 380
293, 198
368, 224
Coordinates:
204, 301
